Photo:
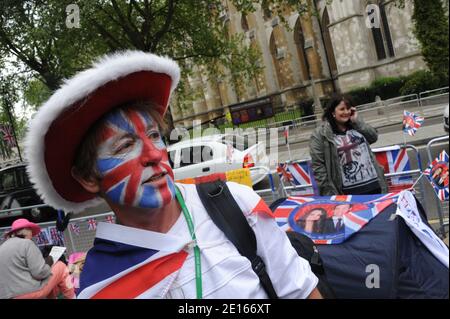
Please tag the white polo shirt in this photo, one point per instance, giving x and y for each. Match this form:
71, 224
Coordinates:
225, 272
126, 262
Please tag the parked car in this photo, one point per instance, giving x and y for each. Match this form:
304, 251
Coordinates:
446, 118
216, 154
17, 191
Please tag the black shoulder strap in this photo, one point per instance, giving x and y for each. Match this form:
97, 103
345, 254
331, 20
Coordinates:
228, 217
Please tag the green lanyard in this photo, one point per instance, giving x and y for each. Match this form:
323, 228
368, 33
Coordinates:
198, 268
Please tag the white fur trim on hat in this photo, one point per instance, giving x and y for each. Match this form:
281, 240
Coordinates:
106, 69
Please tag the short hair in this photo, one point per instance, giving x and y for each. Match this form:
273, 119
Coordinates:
87, 151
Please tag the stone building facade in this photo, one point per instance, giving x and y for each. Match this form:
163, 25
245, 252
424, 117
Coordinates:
340, 48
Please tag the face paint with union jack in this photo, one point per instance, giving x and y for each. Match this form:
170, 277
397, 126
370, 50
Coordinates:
133, 162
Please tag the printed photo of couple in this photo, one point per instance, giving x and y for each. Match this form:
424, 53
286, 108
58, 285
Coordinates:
439, 175
328, 219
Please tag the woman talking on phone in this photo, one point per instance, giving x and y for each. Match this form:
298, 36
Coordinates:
342, 160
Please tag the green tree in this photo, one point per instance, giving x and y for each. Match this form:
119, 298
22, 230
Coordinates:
34, 34
431, 29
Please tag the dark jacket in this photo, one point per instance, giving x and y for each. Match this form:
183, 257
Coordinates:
325, 158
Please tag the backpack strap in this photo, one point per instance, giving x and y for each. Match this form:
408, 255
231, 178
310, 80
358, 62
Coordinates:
228, 217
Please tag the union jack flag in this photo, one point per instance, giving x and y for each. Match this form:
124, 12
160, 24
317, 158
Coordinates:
74, 228
56, 236
361, 209
437, 173
8, 135
42, 238
110, 219
130, 263
395, 160
411, 122
297, 174
92, 224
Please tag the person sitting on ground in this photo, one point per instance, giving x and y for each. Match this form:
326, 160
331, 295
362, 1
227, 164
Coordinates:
24, 273
99, 137
65, 288
76, 264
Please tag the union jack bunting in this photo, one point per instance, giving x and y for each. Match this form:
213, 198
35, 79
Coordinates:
92, 224
42, 238
56, 236
110, 219
395, 160
127, 263
74, 228
411, 122
437, 173
325, 228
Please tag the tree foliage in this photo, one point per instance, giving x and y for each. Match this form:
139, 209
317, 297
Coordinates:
431, 29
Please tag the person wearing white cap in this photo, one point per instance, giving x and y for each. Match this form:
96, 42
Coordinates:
99, 137
24, 274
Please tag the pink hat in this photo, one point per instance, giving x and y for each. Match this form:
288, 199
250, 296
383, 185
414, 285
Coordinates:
24, 223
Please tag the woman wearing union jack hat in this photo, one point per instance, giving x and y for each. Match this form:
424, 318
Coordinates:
99, 138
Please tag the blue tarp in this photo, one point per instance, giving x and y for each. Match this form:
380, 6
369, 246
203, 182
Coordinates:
406, 268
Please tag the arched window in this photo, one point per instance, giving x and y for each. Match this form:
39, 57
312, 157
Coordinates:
380, 32
277, 57
327, 42
244, 23
299, 40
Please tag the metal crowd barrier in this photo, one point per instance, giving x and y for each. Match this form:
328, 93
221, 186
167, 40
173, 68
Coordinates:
78, 236
378, 113
417, 184
268, 194
442, 206
288, 185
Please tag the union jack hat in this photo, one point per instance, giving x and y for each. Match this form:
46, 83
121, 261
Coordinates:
60, 125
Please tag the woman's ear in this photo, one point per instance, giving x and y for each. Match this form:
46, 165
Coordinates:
92, 185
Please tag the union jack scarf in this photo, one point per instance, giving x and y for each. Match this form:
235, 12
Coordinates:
127, 263
411, 122
437, 173
363, 208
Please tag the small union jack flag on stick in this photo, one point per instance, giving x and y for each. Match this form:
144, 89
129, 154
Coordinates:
74, 228
110, 219
411, 122
92, 224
